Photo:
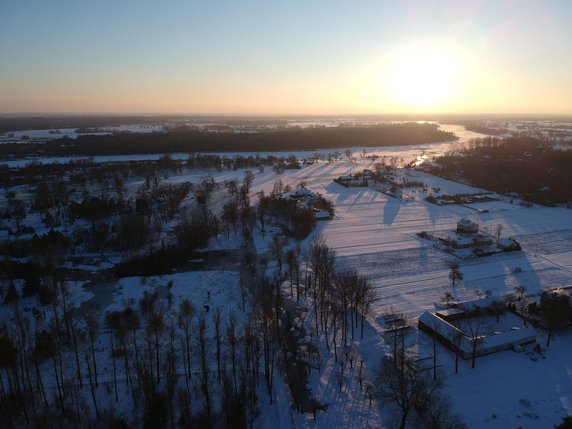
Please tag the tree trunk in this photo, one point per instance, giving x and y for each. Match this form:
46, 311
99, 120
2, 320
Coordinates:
434, 359
92, 388
94, 361
403, 419
114, 370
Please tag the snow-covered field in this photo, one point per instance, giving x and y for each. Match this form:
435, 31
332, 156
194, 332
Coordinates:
375, 234
29, 136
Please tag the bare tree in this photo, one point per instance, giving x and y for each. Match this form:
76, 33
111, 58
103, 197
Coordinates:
262, 209
277, 252
217, 319
497, 309
267, 322
343, 289
292, 263
397, 326
349, 154
498, 231
555, 311
447, 299
409, 390
91, 386
473, 325
455, 274
456, 336
186, 315
230, 216
202, 343
521, 302
156, 325
367, 296
232, 338
322, 262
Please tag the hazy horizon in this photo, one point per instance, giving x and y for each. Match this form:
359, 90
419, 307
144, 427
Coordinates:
415, 116
408, 58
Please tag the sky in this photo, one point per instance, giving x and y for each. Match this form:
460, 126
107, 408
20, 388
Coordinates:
273, 57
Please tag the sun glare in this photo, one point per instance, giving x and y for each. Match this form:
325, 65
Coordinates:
424, 77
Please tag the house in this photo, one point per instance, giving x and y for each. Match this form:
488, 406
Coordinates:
302, 193
508, 245
306, 199
467, 226
482, 240
426, 165
461, 242
366, 174
451, 314
344, 180
474, 305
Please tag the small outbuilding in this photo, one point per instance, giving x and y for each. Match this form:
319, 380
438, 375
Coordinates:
508, 245
467, 226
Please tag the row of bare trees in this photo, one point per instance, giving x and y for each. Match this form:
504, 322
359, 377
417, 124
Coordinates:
341, 299
237, 210
71, 367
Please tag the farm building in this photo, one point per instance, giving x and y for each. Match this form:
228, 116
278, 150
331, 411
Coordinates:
467, 226
470, 327
508, 244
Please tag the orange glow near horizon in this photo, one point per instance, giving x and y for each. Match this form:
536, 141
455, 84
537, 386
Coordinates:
411, 57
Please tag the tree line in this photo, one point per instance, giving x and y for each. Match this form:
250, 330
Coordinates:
529, 167
190, 140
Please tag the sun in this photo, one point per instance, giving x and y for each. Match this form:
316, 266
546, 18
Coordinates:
424, 77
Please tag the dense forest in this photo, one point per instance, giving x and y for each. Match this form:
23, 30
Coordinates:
529, 167
185, 139
479, 128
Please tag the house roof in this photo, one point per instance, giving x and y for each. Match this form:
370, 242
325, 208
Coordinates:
449, 312
475, 304
487, 343
466, 223
506, 242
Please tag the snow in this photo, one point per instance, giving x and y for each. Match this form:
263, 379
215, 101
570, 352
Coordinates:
408, 153
213, 288
376, 235
45, 135
510, 389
